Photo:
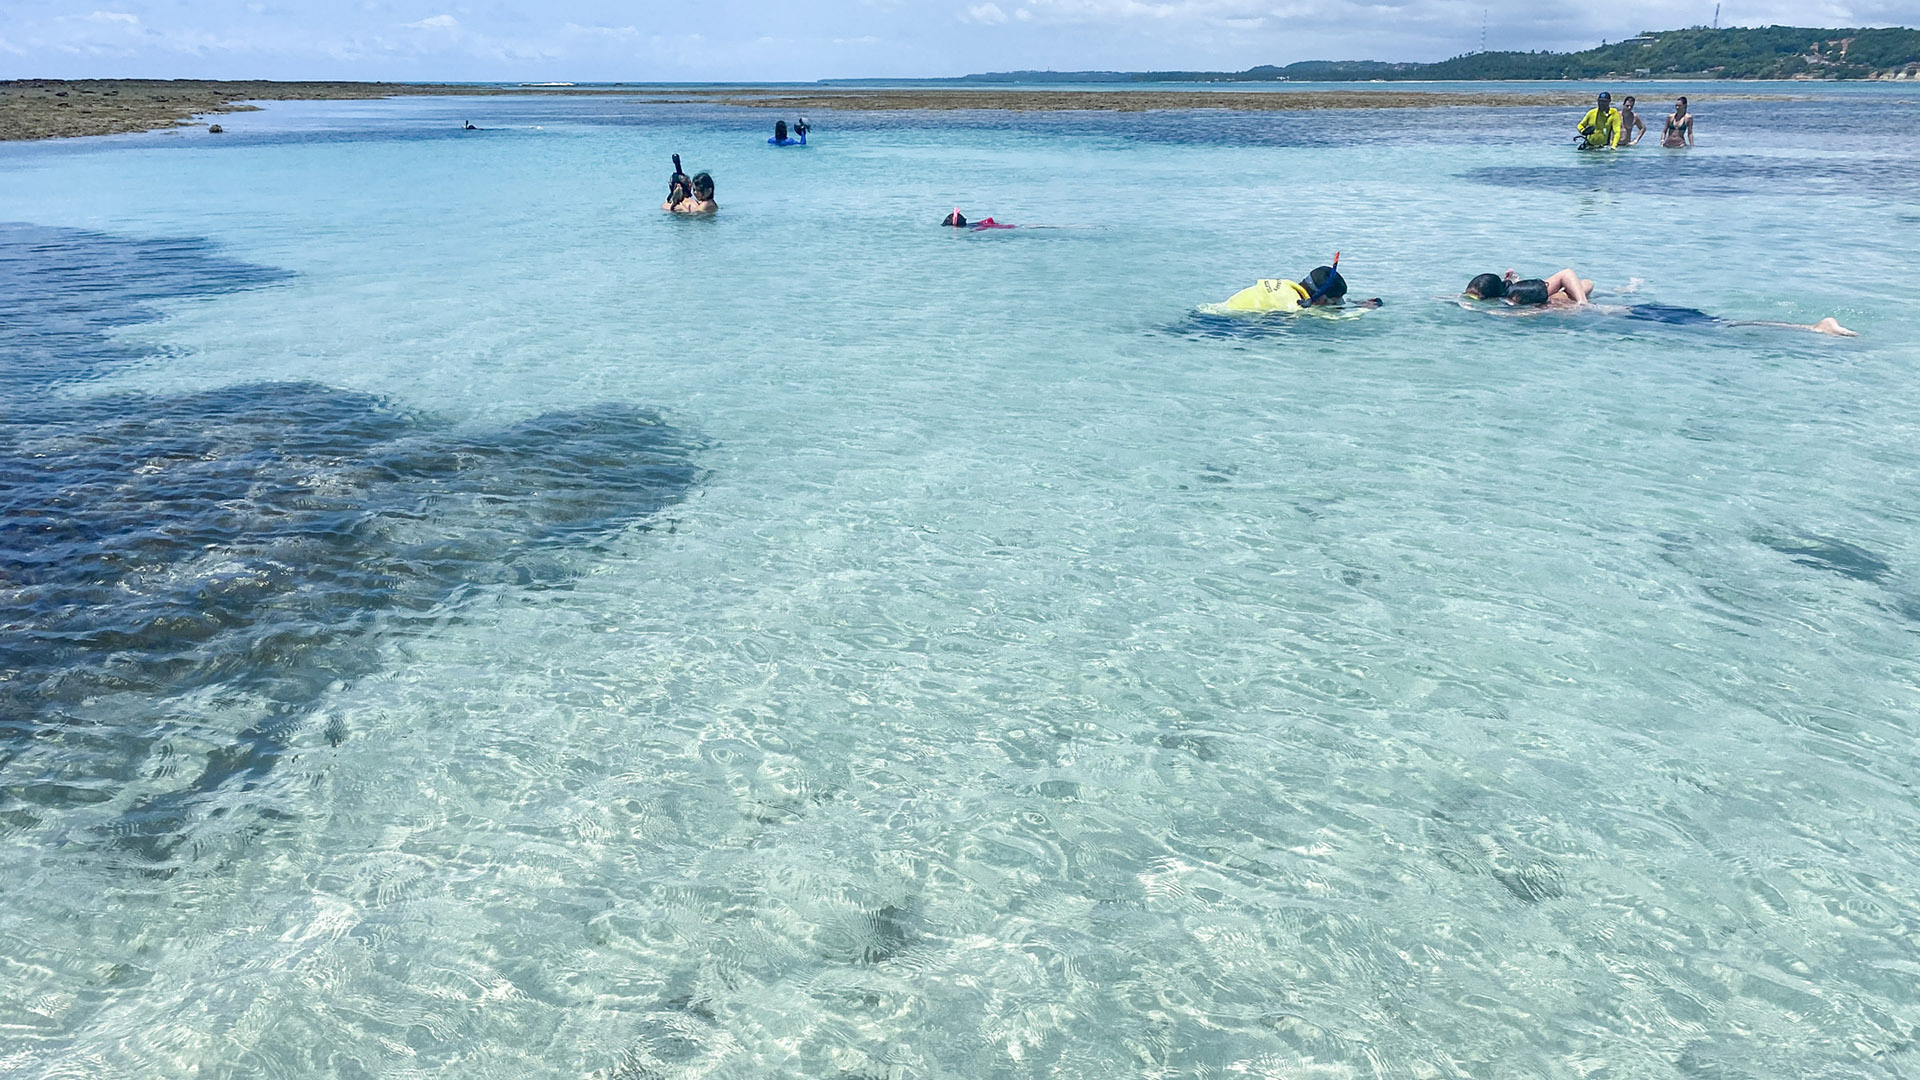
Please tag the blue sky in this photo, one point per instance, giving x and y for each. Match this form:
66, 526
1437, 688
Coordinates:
605, 40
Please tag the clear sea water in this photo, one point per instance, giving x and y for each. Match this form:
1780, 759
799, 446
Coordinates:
463, 622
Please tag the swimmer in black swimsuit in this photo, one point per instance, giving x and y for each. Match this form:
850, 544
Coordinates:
1565, 287
1559, 291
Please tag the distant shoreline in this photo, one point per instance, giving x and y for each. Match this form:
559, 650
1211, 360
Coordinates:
57, 108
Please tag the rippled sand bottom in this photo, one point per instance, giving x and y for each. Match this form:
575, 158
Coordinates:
466, 623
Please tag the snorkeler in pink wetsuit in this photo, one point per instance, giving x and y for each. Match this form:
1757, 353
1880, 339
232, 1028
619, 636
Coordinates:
957, 220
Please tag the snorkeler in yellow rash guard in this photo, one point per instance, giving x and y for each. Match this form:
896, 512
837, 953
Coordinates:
1324, 287
1600, 128
1268, 294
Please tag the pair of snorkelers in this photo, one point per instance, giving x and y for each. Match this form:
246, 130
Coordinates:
1568, 289
1325, 287
782, 138
1605, 127
689, 194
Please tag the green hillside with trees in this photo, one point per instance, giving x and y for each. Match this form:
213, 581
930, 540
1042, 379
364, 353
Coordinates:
1769, 52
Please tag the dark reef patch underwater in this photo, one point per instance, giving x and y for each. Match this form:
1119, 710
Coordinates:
203, 567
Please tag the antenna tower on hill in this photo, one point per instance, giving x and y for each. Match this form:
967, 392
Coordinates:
1716, 16
1483, 29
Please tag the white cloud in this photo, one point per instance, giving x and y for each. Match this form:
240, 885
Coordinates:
583, 40
606, 33
1188, 11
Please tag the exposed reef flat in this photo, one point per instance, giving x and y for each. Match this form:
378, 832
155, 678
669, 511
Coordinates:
62, 108
1019, 100
55, 108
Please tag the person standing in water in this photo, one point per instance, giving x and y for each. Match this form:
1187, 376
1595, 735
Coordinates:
1678, 133
700, 201
679, 187
1600, 128
780, 134
1629, 121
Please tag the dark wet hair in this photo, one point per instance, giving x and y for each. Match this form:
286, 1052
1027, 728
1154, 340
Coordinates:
703, 185
1530, 291
1325, 283
780, 129
1487, 287
955, 219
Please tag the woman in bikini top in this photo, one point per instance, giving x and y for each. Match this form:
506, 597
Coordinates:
1679, 130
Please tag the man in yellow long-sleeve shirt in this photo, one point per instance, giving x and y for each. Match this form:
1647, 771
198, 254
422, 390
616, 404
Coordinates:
1600, 128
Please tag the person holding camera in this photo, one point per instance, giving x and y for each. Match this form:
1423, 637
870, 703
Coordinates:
1600, 128
780, 137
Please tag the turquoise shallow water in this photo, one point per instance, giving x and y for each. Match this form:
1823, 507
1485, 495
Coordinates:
811, 643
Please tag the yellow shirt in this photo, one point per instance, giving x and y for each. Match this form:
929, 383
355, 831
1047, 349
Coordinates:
1267, 294
1599, 131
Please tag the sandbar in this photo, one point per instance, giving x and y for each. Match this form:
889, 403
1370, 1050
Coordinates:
62, 108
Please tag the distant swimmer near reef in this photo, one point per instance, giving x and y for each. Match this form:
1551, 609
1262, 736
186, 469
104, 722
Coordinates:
780, 137
1600, 128
468, 126
957, 220
1678, 133
1568, 289
1324, 287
